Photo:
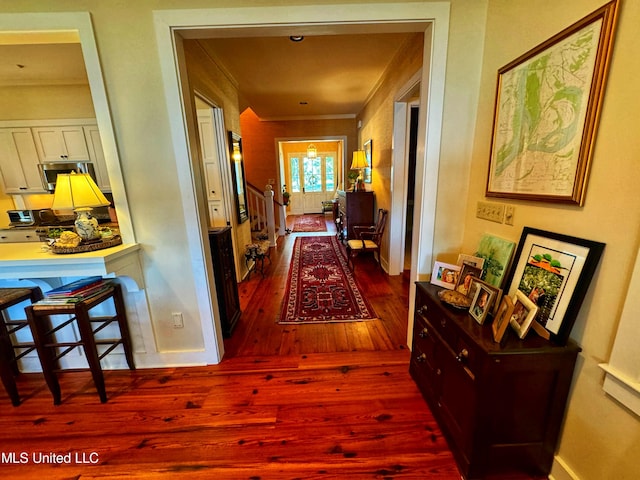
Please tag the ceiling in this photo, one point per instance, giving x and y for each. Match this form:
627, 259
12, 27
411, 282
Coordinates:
329, 74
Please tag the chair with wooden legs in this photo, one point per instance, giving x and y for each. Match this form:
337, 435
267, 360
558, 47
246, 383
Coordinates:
50, 350
11, 350
369, 239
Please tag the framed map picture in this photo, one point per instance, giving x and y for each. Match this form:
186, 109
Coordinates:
368, 146
547, 107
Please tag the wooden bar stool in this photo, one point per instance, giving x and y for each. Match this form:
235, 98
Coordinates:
8, 327
50, 350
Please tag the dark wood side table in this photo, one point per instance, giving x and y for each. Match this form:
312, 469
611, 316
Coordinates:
224, 272
354, 209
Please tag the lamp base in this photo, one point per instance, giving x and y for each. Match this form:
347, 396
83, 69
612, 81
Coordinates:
86, 225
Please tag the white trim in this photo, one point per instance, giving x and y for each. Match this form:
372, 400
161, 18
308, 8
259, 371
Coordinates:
271, 17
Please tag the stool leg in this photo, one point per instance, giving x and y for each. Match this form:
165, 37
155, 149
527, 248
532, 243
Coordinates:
90, 350
45, 354
124, 327
6, 373
8, 354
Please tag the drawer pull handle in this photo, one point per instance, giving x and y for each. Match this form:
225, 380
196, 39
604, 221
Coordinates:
422, 310
421, 358
424, 333
463, 355
443, 322
438, 372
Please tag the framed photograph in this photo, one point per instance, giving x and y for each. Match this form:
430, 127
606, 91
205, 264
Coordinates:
445, 274
547, 106
554, 271
475, 284
502, 318
482, 302
368, 146
466, 275
524, 311
464, 259
496, 253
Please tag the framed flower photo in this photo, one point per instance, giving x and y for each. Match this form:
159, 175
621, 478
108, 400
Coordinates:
554, 272
497, 253
445, 275
524, 311
502, 318
482, 302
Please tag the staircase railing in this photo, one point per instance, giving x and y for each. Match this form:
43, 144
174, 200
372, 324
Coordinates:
262, 208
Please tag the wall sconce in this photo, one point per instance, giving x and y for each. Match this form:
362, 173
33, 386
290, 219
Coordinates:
78, 192
312, 151
359, 163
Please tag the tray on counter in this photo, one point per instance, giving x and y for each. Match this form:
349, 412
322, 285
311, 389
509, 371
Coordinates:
89, 247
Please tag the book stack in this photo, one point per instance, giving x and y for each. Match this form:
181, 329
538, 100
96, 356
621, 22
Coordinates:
75, 292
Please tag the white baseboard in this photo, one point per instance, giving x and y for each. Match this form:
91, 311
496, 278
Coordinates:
561, 471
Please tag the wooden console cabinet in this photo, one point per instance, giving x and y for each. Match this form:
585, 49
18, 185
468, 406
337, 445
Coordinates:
499, 406
354, 208
224, 271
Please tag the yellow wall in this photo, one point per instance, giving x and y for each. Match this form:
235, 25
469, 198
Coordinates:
46, 102
600, 439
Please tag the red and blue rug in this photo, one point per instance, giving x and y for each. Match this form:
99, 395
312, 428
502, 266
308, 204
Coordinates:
310, 223
321, 288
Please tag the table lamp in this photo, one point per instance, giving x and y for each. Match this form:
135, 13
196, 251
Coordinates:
78, 192
359, 163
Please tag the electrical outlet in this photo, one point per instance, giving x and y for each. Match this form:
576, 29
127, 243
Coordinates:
493, 212
178, 321
509, 211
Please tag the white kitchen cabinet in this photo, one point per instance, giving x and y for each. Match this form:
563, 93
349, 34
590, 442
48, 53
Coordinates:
19, 162
19, 235
96, 155
61, 143
217, 218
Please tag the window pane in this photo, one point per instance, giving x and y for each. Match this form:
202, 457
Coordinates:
330, 179
295, 175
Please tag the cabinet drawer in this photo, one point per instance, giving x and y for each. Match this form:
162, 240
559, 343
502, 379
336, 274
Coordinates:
431, 314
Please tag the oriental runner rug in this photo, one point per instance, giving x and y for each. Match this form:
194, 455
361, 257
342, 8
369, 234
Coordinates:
321, 288
310, 223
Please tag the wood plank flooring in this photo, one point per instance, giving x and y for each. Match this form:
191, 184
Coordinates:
287, 402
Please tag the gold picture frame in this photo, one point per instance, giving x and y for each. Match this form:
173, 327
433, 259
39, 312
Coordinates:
548, 103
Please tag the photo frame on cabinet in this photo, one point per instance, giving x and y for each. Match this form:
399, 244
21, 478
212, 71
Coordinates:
502, 318
464, 259
482, 303
237, 176
475, 284
524, 311
548, 103
445, 275
368, 151
465, 278
554, 271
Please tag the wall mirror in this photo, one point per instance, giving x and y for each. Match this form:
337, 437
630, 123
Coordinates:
237, 173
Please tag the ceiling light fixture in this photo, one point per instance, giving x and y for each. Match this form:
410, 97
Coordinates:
312, 151
296, 38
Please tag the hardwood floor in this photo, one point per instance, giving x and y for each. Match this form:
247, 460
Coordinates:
287, 402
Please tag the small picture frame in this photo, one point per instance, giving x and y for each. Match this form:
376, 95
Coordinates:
445, 275
464, 259
476, 282
524, 311
502, 319
465, 277
481, 304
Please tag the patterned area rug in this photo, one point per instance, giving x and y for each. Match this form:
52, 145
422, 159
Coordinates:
321, 287
310, 223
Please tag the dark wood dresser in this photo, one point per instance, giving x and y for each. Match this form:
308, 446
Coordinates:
354, 208
224, 272
499, 406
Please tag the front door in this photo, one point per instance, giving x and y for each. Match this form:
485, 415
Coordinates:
311, 181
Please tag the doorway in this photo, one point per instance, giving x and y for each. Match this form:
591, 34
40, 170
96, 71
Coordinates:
311, 171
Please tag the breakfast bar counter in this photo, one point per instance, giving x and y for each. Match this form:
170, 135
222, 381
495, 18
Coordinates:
30, 260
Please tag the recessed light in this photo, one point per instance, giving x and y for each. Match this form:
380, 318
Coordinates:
296, 38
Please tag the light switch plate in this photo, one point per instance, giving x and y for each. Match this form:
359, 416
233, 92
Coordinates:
493, 212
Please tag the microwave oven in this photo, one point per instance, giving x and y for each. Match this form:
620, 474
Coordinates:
49, 172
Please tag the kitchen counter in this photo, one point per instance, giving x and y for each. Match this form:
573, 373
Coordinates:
30, 260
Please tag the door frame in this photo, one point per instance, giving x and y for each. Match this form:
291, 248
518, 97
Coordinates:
170, 25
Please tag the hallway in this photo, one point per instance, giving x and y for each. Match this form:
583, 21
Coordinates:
259, 334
